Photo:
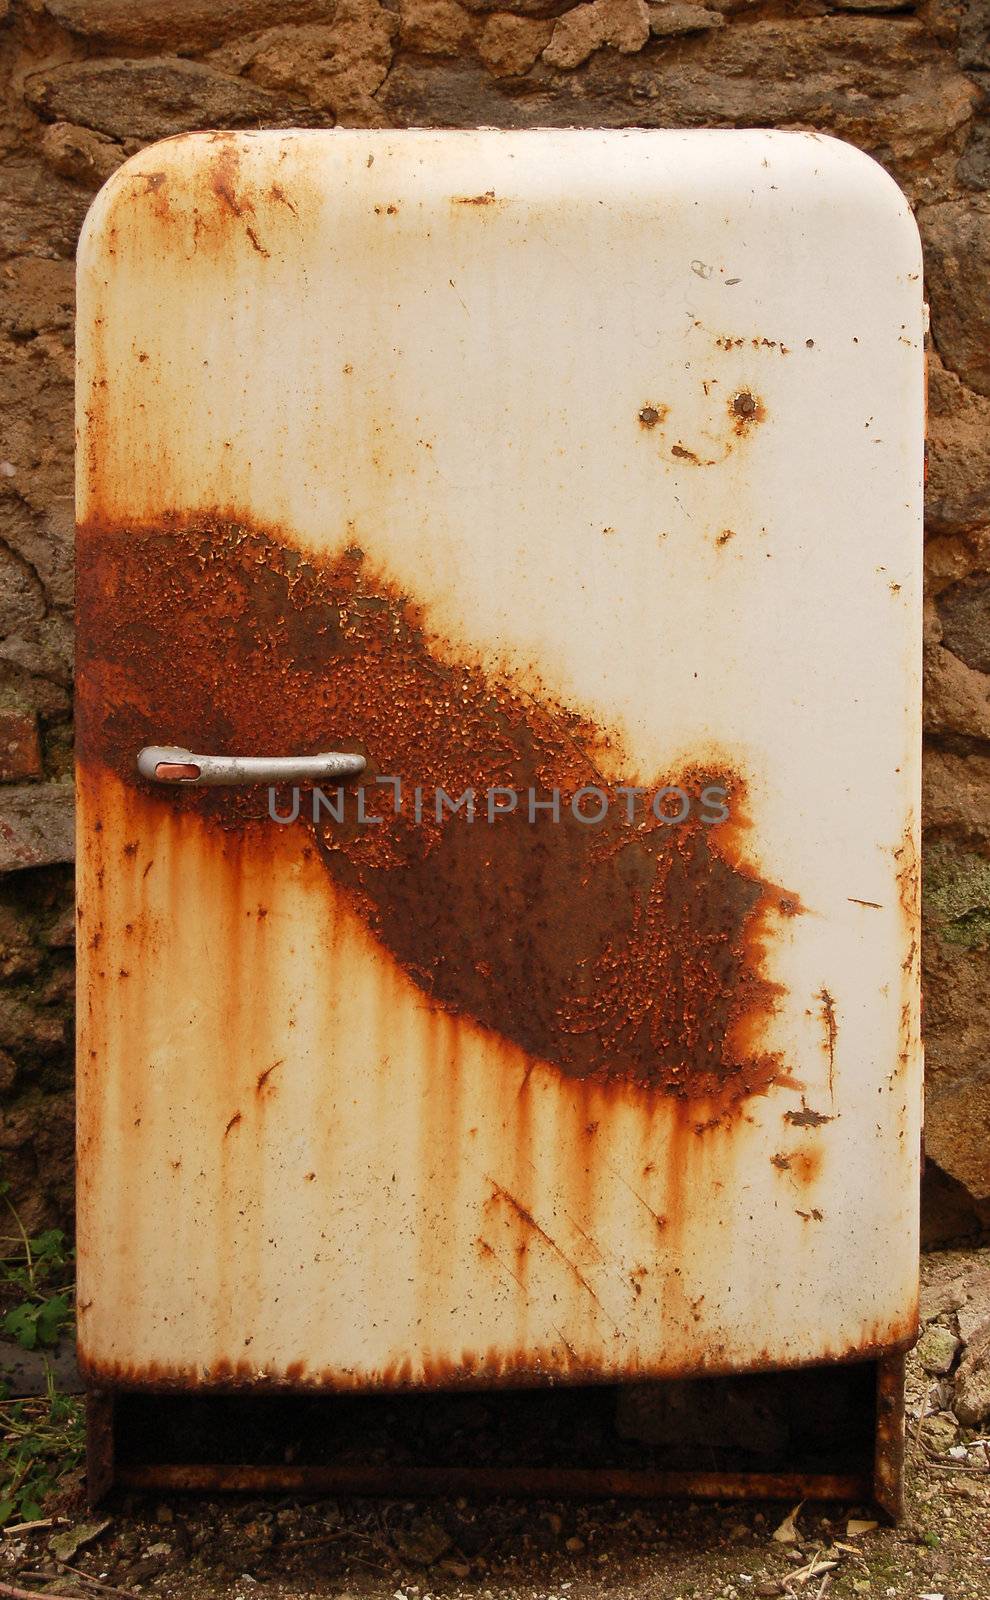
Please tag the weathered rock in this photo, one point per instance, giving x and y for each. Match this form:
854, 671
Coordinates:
972, 1391
876, 81
957, 244
974, 163
40, 213
509, 45
44, 544
940, 1431
950, 559
974, 36
20, 956
943, 1292
37, 297
957, 1130
78, 153
36, 1147
153, 97
36, 423
958, 493
623, 24
964, 611
956, 980
435, 27
937, 1349
36, 827
956, 895
668, 20
22, 599
45, 647
335, 67
533, 9
8, 1073
423, 1542
37, 1029
181, 24
974, 1312
20, 747
957, 698
956, 794
66, 1544
61, 932
956, 976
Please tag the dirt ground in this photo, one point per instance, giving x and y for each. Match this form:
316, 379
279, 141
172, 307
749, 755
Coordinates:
280, 1548
254, 1549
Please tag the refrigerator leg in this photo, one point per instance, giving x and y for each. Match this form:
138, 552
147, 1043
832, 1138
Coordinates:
99, 1445
888, 1456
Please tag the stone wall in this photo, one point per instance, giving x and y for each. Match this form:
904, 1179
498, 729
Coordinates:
87, 82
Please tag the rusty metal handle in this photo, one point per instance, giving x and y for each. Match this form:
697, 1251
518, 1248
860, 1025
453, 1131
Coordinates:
169, 764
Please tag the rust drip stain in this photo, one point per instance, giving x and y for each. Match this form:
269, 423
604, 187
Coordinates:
264, 1076
468, 1369
804, 1166
909, 903
831, 1034
621, 951
490, 1369
486, 199
277, 193
224, 173
224, 178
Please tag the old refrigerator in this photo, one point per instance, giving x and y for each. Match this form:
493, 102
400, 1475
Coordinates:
556, 479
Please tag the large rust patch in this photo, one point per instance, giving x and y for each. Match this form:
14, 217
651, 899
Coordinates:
624, 949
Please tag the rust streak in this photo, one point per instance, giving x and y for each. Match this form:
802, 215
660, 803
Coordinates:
223, 178
256, 242
489, 1251
831, 1034
263, 1077
531, 1222
278, 193
660, 1220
